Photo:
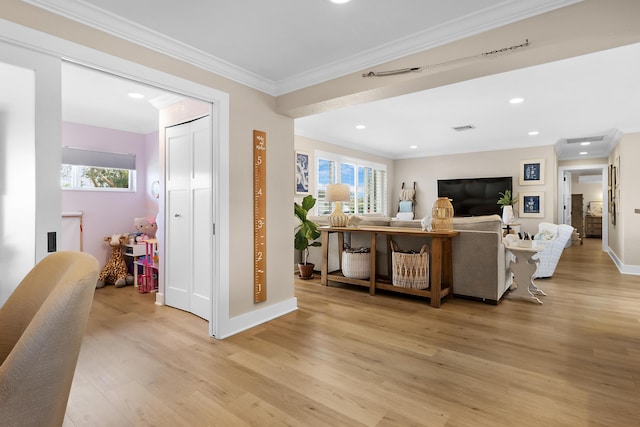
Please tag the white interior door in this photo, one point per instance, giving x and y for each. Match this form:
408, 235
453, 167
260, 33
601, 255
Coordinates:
189, 249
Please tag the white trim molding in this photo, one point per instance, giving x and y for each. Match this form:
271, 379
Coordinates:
254, 318
501, 14
622, 268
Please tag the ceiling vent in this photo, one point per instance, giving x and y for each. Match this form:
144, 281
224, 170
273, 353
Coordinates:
585, 139
463, 128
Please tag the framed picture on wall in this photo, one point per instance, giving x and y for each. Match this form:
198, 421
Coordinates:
302, 173
532, 172
531, 205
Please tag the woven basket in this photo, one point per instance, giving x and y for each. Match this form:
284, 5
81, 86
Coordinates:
410, 270
356, 265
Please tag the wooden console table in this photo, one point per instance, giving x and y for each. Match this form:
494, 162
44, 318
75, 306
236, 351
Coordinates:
440, 271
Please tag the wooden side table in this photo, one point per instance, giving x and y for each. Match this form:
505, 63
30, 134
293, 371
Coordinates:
523, 269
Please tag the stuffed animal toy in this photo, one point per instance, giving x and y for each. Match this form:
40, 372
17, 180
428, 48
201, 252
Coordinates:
146, 225
115, 270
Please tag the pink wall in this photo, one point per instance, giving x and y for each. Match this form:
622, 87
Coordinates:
107, 213
152, 172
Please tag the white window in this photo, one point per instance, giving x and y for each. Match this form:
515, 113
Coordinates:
367, 181
96, 170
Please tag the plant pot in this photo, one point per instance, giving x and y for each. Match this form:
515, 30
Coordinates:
507, 215
306, 270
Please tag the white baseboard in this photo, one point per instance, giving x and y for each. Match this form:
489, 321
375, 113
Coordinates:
622, 268
254, 318
159, 298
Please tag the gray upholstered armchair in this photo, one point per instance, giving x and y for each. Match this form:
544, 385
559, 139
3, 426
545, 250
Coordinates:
43, 322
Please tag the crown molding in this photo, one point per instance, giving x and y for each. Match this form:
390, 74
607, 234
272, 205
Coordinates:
504, 13
100, 19
507, 12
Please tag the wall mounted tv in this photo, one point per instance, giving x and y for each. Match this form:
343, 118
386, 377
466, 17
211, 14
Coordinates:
474, 196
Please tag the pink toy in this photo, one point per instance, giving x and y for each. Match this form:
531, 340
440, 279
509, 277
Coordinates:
146, 225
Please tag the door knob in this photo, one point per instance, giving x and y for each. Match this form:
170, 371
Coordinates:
177, 215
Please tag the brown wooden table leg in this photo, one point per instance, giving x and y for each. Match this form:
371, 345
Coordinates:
324, 239
340, 249
436, 271
372, 266
447, 267
389, 258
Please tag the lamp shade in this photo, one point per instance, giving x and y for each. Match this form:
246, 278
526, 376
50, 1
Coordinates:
337, 193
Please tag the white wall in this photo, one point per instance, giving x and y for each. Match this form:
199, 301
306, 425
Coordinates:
17, 176
624, 235
106, 212
152, 165
426, 172
31, 138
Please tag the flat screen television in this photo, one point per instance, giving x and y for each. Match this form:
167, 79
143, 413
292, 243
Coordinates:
474, 196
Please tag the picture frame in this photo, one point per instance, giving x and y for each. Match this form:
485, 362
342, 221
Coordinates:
532, 172
616, 168
610, 181
531, 204
302, 172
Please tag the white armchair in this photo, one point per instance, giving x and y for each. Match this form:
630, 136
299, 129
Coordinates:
553, 248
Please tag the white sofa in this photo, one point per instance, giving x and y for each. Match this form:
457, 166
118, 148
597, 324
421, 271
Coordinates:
560, 236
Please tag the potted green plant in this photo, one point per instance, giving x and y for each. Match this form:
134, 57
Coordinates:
507, 201
306, 234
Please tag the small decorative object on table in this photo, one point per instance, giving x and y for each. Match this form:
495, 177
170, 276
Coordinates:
442, 215
337, 193
410, 269
507, 202
354, 221
425, 223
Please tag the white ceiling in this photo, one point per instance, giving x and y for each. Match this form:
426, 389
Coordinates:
592, 95
289, 44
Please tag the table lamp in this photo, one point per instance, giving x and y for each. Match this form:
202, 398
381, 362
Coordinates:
337, 193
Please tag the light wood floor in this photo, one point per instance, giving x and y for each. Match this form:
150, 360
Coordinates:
349, 359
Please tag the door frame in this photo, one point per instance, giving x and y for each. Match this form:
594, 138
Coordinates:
60, 49
562, 171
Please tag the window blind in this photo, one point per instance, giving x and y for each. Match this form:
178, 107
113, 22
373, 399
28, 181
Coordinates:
101, 159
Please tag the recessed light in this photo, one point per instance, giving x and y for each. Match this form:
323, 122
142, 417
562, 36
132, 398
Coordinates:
360, 127
516, 100
582, 153
413, 147
585, 143
534, 133
340, 1
136, 95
